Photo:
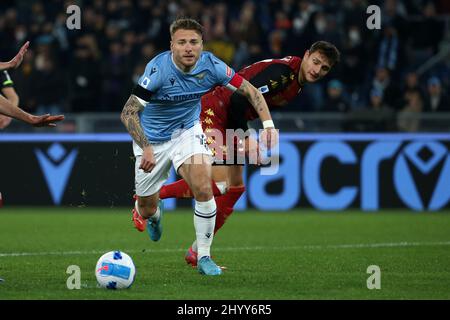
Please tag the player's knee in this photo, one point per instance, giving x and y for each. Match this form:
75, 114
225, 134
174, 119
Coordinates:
203, 192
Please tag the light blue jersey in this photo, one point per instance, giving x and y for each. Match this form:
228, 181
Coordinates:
175, 95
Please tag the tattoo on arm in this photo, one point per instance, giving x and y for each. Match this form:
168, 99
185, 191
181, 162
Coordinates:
244, 89
257, 98
130, 118
254, 96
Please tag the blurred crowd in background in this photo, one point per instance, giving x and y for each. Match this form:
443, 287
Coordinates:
94, 69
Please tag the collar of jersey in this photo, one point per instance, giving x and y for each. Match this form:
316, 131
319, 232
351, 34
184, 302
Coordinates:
176, 67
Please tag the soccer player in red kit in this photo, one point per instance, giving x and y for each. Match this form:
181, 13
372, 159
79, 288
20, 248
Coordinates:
280, 81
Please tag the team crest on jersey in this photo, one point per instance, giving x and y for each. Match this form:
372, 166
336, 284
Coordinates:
200, 76
153, 70
172, 80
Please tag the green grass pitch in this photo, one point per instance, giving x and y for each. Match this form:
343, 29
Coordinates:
287, 255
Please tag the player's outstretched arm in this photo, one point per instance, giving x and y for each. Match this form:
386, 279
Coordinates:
269, 136
130, 118
10, 94
47, 120
17, 60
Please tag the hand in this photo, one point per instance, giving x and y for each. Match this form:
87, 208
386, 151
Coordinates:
148, 160
17, 60
269, 137
4, 121
45, 120
252, 150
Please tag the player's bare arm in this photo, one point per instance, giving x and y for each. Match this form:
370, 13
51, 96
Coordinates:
269, 136
130, 118
256, 99
47, 120
11, 95
17, 60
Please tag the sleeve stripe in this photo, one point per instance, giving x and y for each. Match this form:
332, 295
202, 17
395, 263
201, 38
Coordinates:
6, 80
236, 81
230, 87
5, 72
142, 93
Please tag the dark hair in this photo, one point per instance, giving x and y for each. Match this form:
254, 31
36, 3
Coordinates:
186, 24
329, 50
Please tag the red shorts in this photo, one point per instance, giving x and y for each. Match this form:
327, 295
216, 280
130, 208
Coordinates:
215, 121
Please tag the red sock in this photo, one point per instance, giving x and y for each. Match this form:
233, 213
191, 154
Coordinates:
181, 190
225, 204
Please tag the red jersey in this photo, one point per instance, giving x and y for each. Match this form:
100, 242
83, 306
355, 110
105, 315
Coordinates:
276, 79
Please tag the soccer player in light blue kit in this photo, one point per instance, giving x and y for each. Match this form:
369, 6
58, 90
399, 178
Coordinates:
162, 116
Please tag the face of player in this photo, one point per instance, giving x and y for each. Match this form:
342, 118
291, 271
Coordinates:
186, 47
314, 67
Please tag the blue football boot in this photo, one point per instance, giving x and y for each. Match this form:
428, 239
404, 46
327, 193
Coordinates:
154, 228
208, 267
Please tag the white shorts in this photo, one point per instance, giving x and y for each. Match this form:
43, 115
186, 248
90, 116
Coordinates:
176, 152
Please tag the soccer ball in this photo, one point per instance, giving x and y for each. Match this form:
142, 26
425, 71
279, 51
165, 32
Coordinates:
115, 270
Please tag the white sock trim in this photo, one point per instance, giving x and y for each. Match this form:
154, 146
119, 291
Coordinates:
136, 207
205, 209
222, 186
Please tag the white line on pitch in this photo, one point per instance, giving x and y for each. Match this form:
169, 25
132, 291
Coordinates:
218, 249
